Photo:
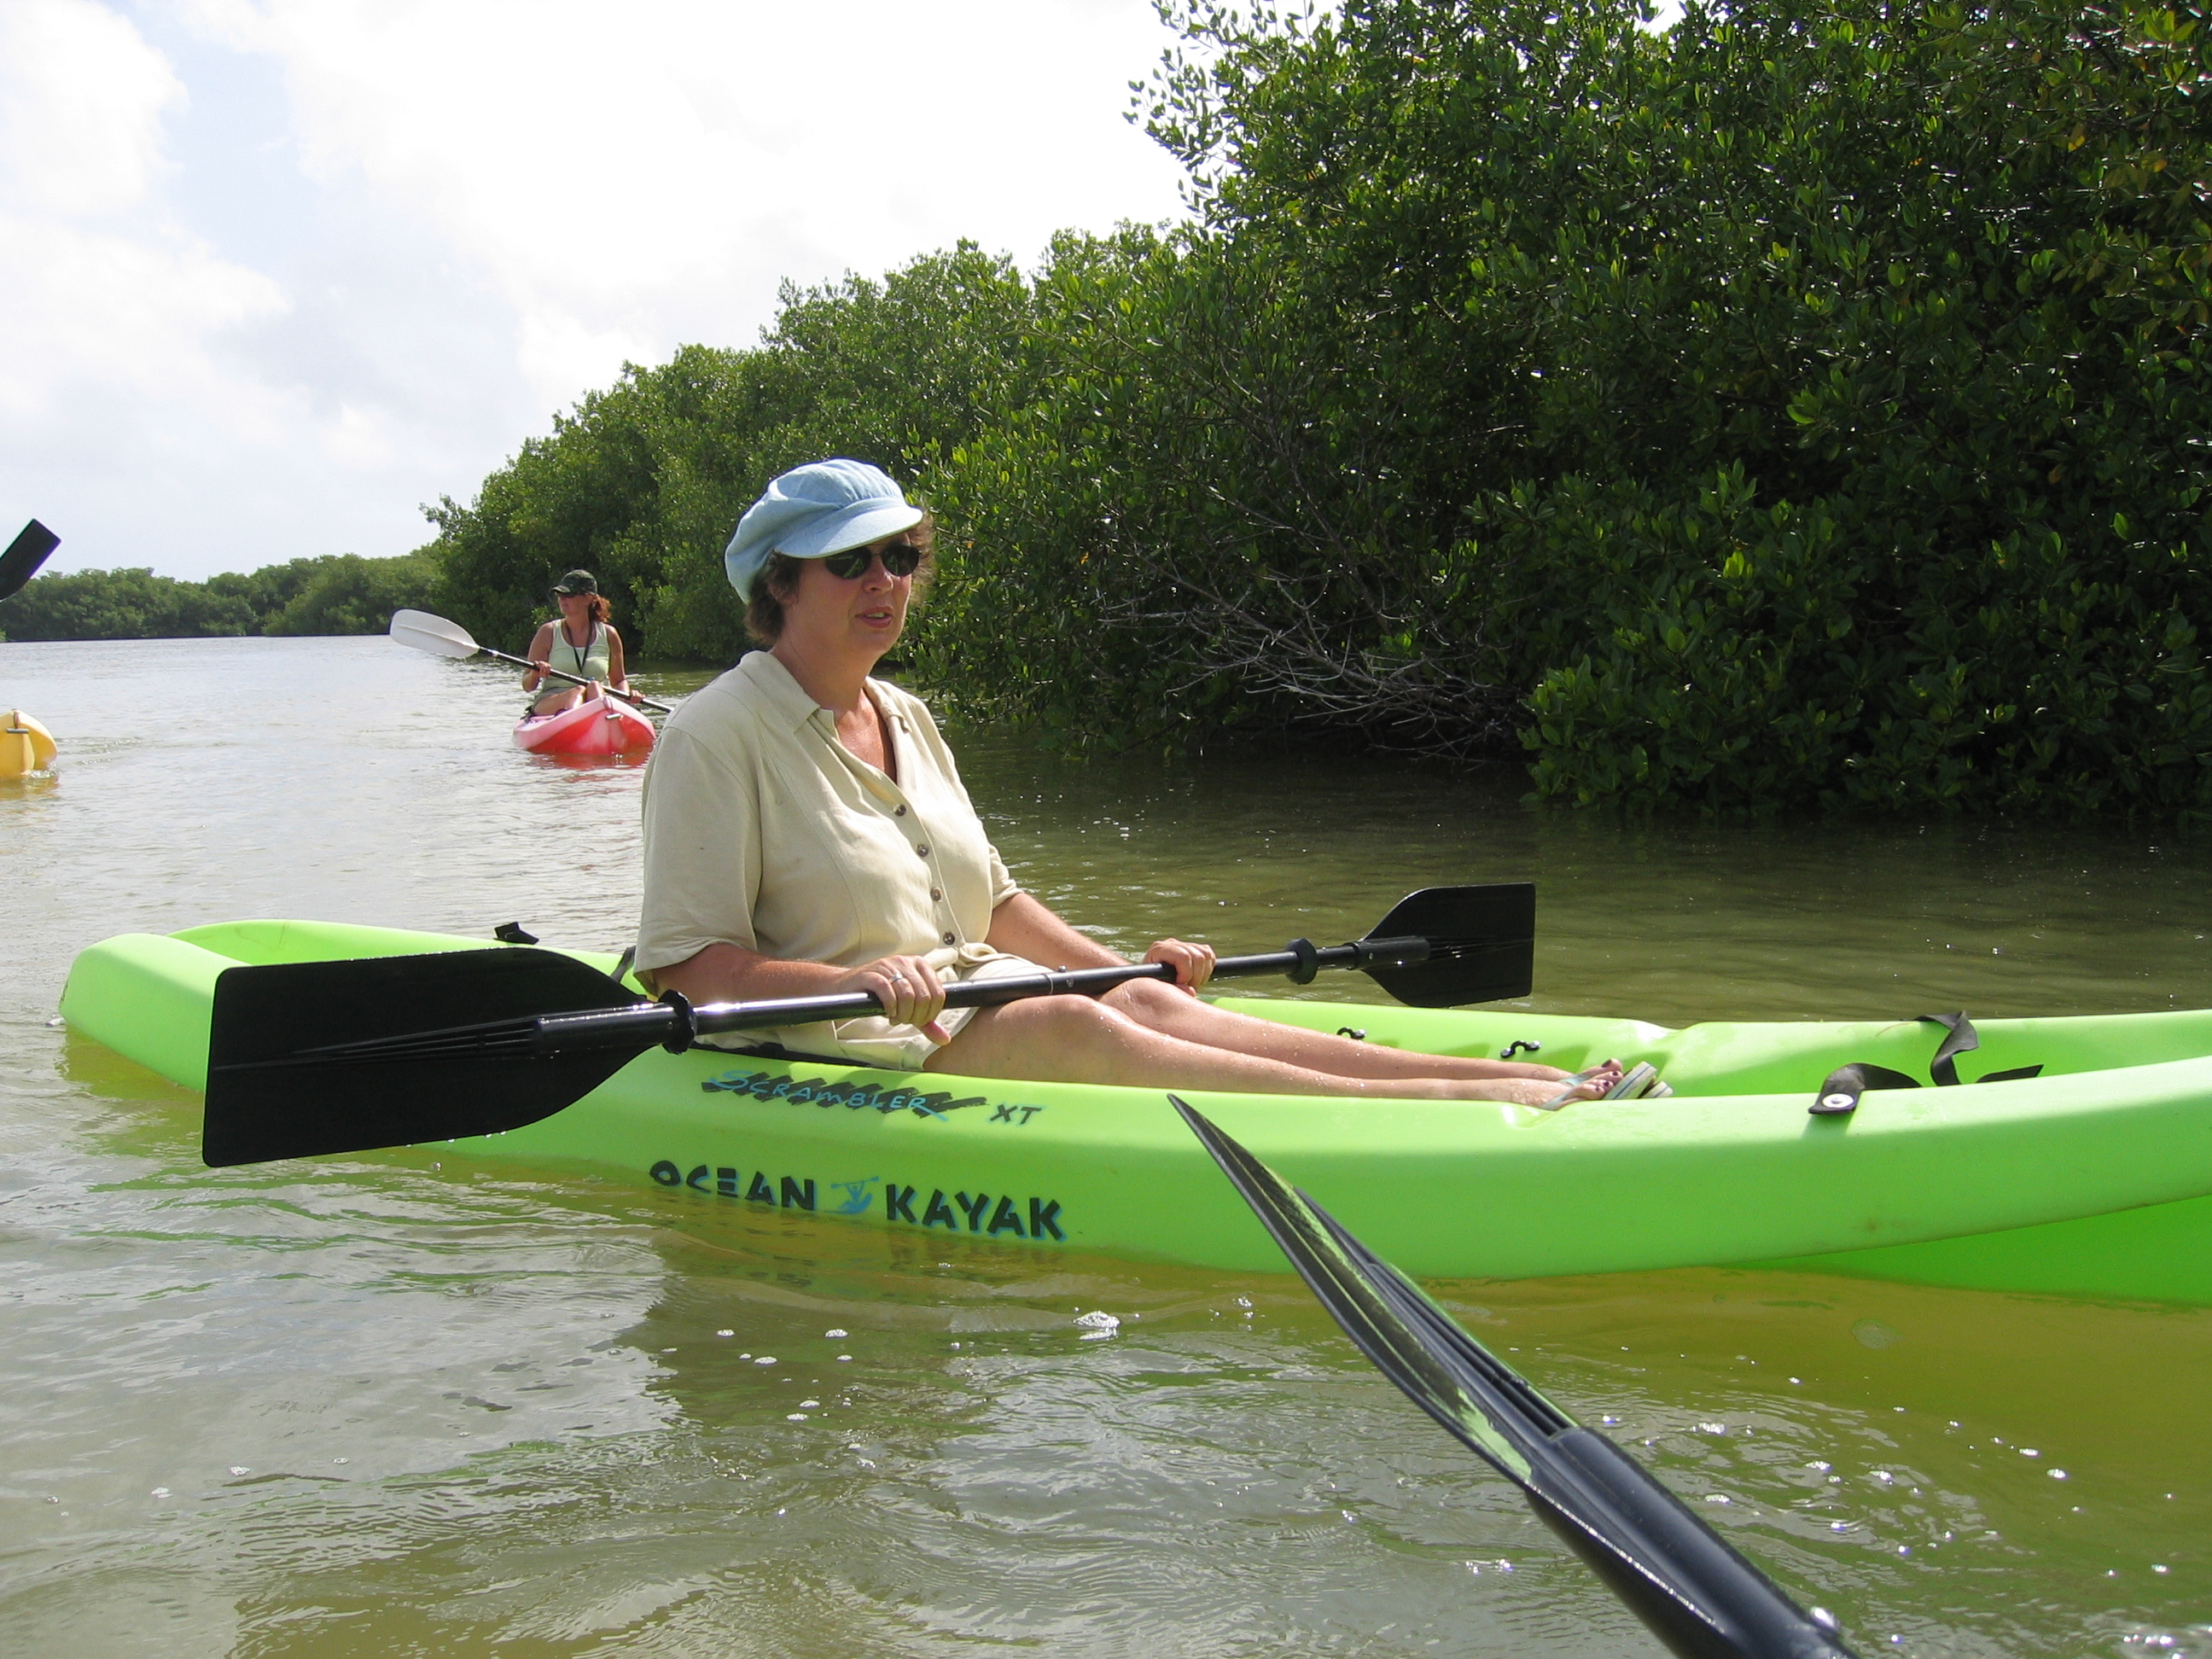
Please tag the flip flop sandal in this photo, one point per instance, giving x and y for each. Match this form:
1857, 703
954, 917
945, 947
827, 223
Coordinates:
1635, 1083
1568, 1097
1640, 1082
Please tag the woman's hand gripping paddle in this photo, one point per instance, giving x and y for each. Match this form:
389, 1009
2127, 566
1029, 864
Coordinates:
449, 639
313, 1058
1693, 1591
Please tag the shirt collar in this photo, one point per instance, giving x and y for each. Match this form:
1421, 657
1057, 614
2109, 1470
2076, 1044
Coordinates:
786, 701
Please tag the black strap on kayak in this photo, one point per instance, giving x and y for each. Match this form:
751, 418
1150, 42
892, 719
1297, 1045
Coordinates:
511, 933
1840, 1093
1963, 1039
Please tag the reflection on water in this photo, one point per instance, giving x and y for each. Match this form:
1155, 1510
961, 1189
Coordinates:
627, 758
1673, 922
384, 1406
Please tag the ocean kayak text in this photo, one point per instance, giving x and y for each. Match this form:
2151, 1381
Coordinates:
995, 1216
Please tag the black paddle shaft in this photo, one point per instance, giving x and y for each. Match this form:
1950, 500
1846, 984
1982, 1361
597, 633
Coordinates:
558, 1030
1299, 960
313, 1058
677, 1024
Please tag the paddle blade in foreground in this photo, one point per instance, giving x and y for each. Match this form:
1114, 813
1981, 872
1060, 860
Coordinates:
1696, 1595
268, 1098
433, 633
24, 556
1482, 944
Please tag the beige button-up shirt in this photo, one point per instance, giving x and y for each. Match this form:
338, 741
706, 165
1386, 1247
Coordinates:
762, 831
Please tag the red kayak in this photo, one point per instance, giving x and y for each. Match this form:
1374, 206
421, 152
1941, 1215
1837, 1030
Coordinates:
597, 726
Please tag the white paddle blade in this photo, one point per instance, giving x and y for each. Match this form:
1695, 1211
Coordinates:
433, 633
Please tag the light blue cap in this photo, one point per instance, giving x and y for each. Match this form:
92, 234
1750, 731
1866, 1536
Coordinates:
813, 511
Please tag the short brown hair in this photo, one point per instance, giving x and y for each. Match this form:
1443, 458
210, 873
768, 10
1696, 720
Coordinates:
779, 580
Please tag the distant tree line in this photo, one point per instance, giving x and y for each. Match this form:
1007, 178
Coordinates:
338, 593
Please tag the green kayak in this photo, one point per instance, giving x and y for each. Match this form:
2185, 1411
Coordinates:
2093, 1176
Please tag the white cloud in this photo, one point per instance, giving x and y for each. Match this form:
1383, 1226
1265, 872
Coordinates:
558, 355
275, 271
114, 312
108, 327
623, 173
81, 98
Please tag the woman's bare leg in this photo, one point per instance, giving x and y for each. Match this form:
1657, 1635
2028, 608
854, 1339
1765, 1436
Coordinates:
1165, 1009
1069, 1039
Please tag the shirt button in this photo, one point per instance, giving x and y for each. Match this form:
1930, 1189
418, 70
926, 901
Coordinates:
898, 811
936, 893
948, 938
921, 852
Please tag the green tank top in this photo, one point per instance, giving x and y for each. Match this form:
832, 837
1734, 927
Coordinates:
590, 662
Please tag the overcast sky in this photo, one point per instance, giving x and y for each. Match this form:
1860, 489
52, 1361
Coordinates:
274, 272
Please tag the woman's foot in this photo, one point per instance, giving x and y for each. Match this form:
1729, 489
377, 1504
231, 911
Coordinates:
1506, 1090
1608, 1082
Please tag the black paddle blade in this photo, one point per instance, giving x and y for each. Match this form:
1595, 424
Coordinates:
266, 1099
1693, 1591
1482, 944
24, 556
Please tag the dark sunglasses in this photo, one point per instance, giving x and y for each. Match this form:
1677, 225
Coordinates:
900, 559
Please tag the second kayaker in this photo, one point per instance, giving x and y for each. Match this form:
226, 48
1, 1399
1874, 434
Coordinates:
806, 833
581, 640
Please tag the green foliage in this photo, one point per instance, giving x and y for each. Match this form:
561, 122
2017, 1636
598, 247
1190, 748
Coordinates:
643, 484
348, 594
1959, 349
337, 593
1210, 505
122, 605
1805, 405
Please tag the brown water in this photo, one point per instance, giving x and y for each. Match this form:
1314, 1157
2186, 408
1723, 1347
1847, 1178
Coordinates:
384, 1406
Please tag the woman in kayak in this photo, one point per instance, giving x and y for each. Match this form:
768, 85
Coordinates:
580, 640
806, 833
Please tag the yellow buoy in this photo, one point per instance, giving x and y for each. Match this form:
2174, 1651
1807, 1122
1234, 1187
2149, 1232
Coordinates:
25, 746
